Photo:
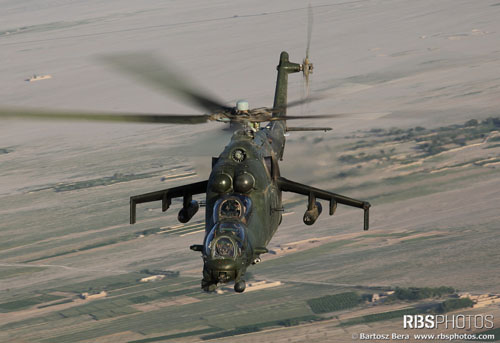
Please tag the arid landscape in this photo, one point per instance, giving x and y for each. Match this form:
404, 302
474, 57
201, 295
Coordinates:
421, 81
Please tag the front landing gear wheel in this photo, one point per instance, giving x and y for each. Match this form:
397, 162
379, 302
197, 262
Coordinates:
240, 286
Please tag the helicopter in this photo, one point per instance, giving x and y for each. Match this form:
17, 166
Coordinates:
244, 190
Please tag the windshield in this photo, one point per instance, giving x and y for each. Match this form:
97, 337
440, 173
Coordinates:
224, 247
225, 240
232, 207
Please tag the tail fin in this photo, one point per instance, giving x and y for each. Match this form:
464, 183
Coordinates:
280, 96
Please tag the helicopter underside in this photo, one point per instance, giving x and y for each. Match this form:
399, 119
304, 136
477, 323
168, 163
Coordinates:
213, 276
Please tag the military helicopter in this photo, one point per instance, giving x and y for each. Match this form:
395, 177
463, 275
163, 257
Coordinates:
244, 190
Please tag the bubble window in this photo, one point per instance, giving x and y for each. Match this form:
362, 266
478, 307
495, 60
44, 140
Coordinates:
232, 208
224, 247
225, 240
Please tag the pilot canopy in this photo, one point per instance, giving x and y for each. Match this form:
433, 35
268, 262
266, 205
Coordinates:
225, 240
232, 208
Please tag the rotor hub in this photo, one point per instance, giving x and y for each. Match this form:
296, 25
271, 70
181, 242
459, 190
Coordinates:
306, 67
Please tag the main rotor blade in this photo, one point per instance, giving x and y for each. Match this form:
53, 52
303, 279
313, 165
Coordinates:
307, 117
296, 103
147, 68
301, 128
24, 113
317, 116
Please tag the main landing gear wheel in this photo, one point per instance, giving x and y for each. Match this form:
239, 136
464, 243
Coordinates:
239, 286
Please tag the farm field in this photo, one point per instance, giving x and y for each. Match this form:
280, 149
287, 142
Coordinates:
422, 145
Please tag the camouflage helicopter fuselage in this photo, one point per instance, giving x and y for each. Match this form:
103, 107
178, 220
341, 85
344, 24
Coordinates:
244, 196
243, 192
243, 203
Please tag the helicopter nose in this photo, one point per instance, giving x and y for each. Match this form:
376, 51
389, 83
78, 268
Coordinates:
224, 252
222, 264
222, 270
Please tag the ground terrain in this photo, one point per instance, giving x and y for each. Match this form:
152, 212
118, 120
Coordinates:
423, 146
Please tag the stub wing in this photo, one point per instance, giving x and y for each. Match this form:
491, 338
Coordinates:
315, 193
166, 195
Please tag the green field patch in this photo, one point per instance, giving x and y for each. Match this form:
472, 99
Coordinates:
287, 322
95, 245
418, 293
111, 241
141, 299
50, 317
238, 331
336, 302
107, 283
137, 288
308, 254
270, 309
17, 305
454, 304
169, 284
111, 313
494, 139
152, 296
65, 301
103, 181
415, 294
430, 141
7, 272
176, 335
98, 310
216, 311
71, 312
380, 316
492, 146
434, 183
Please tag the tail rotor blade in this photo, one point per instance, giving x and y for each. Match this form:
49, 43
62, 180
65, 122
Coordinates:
307, 66
309, 29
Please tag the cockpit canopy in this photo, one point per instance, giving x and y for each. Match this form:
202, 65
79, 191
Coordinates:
225, 240
233, 207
